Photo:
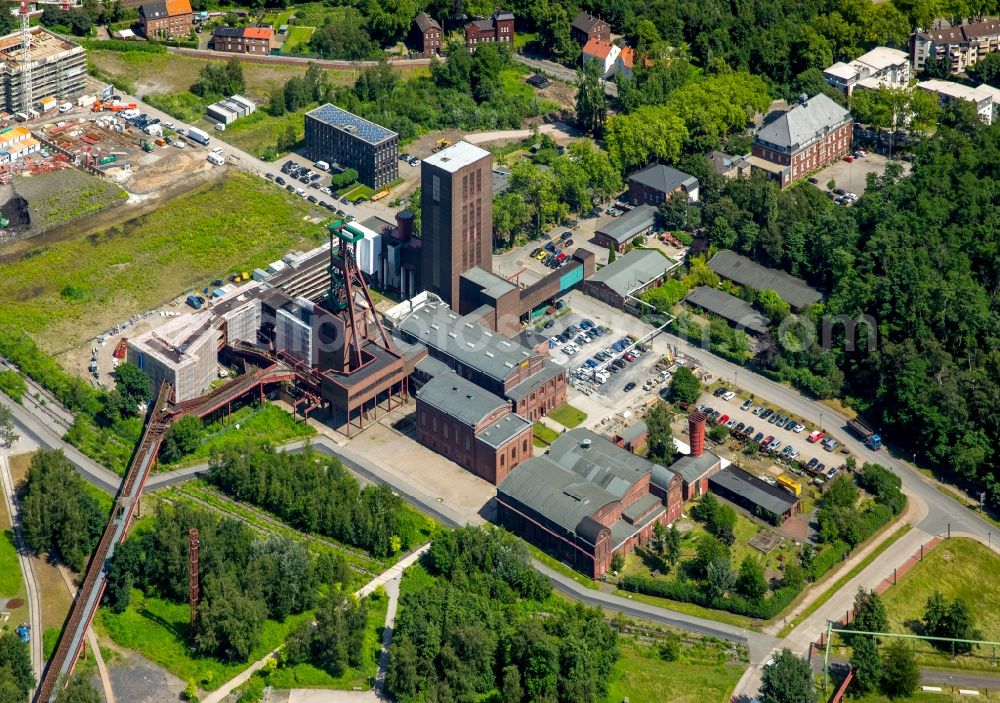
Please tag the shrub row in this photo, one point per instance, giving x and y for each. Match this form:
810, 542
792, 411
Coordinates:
691, 592
124, 46
826, 558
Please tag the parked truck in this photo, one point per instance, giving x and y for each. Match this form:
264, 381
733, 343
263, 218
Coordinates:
197, 135
194, 301
861, 428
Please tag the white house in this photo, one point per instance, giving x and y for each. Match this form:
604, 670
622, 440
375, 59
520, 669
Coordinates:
881, 66
986, 98
602, 52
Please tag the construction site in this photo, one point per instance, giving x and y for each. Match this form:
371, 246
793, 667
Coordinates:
38, 64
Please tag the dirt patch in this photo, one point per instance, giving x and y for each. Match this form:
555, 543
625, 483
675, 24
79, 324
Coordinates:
62, 196
14, 603
562, 94
137, 680
424, 146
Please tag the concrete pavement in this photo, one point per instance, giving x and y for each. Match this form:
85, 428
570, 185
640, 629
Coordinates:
27, 569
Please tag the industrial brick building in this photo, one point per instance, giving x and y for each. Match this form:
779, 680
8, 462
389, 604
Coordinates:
534, 385
811, 135
767, 502
655, 184
337, 136
498, 28
617, 233
166, 19
586, 27
586, 499
472, 427
456, 219
58, 68
243, 40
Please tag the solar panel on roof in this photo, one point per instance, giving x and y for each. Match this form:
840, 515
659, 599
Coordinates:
369, 131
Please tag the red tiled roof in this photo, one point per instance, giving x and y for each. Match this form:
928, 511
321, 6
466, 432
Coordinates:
178, 7
597, 48
628, 56
258, 32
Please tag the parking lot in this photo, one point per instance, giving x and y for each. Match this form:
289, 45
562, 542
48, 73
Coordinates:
740, 409
852, 177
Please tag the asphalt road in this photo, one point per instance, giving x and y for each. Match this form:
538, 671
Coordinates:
928, 677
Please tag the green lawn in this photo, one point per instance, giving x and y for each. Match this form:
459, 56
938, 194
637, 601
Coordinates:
297, 39
10, 568
263, 423
355, 191
959, 568
641, 676
144, 262
568, 416
158, 630
309, 676
50, 638
544, 435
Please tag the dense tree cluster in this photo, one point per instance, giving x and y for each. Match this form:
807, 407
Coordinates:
78, 690
16, 676
949, 619
719, 518
245, 580
469, 630
315, 493
58, 514
684, 386
787, 679
297, 93
335, 641
219, 80
843, 516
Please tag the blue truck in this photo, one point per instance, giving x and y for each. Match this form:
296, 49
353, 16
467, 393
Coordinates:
869, 436
194, 301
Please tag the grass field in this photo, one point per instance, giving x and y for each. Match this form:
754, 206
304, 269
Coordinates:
267, 422
309, 676
50, 638
297, 40
568, 416
543, 435
959, 568
64, 195
145, 262
158, 629
641, 676
11, 581
356, 191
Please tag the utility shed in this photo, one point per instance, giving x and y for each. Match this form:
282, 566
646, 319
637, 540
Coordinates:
736, 312
759, 497
748, 273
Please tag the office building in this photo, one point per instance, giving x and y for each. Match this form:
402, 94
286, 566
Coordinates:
456, 217
338, 137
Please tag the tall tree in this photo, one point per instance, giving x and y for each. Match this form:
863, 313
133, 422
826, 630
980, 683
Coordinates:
787, 679
591, 104
751, 582
900, 674
660, 438
866, 664
15, 665
7, 434
79, 690
685, 386
869, 612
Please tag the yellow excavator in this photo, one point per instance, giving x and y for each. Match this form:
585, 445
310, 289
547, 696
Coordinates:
442, 144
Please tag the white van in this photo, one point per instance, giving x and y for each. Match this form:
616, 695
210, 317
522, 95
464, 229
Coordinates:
65, 107
217, 159
601, 377
322, 165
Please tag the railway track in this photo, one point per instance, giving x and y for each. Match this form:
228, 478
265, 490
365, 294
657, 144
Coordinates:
88, 597
277, 524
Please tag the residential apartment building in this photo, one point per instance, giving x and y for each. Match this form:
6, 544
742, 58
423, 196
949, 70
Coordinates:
427, 35
456, 217
586, 27
986, 98
472, 427
962, 45
498, 28
655, 184
811, 135
880, 67
243, 40
604, 54
58, 68
337, 136
166, 19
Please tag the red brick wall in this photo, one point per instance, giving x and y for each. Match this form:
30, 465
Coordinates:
544, 399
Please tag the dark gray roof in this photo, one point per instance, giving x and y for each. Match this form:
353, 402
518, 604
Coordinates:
804, 123
348, 122
664, 178
771, 498
425, 22
691, 468
470, 343
504, 15
634, 431
722, 162
153, 10
492, 284
635, 221
746, 272
556, 493
222, 31
377, 224
633, 270
728, 307
503, 430
585, 22
463, 400
429, 366
603, 463
549, 371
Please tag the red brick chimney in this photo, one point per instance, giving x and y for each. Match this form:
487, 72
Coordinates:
696, 432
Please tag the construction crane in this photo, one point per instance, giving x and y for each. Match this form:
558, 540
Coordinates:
26, 57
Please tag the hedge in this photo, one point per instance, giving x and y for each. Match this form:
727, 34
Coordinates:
826, 558
690, 592
126, 46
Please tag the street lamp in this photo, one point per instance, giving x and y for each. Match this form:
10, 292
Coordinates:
821, 421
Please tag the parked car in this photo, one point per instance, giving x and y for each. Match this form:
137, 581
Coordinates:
719, 392
749, 430
798, 428
722, 420
758, 409
630, 386
739, 427
731, 424
832, 472
758, 437
280, 181
830, 444
812, 464
766, 413
746, 405
773, 446
728, 395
